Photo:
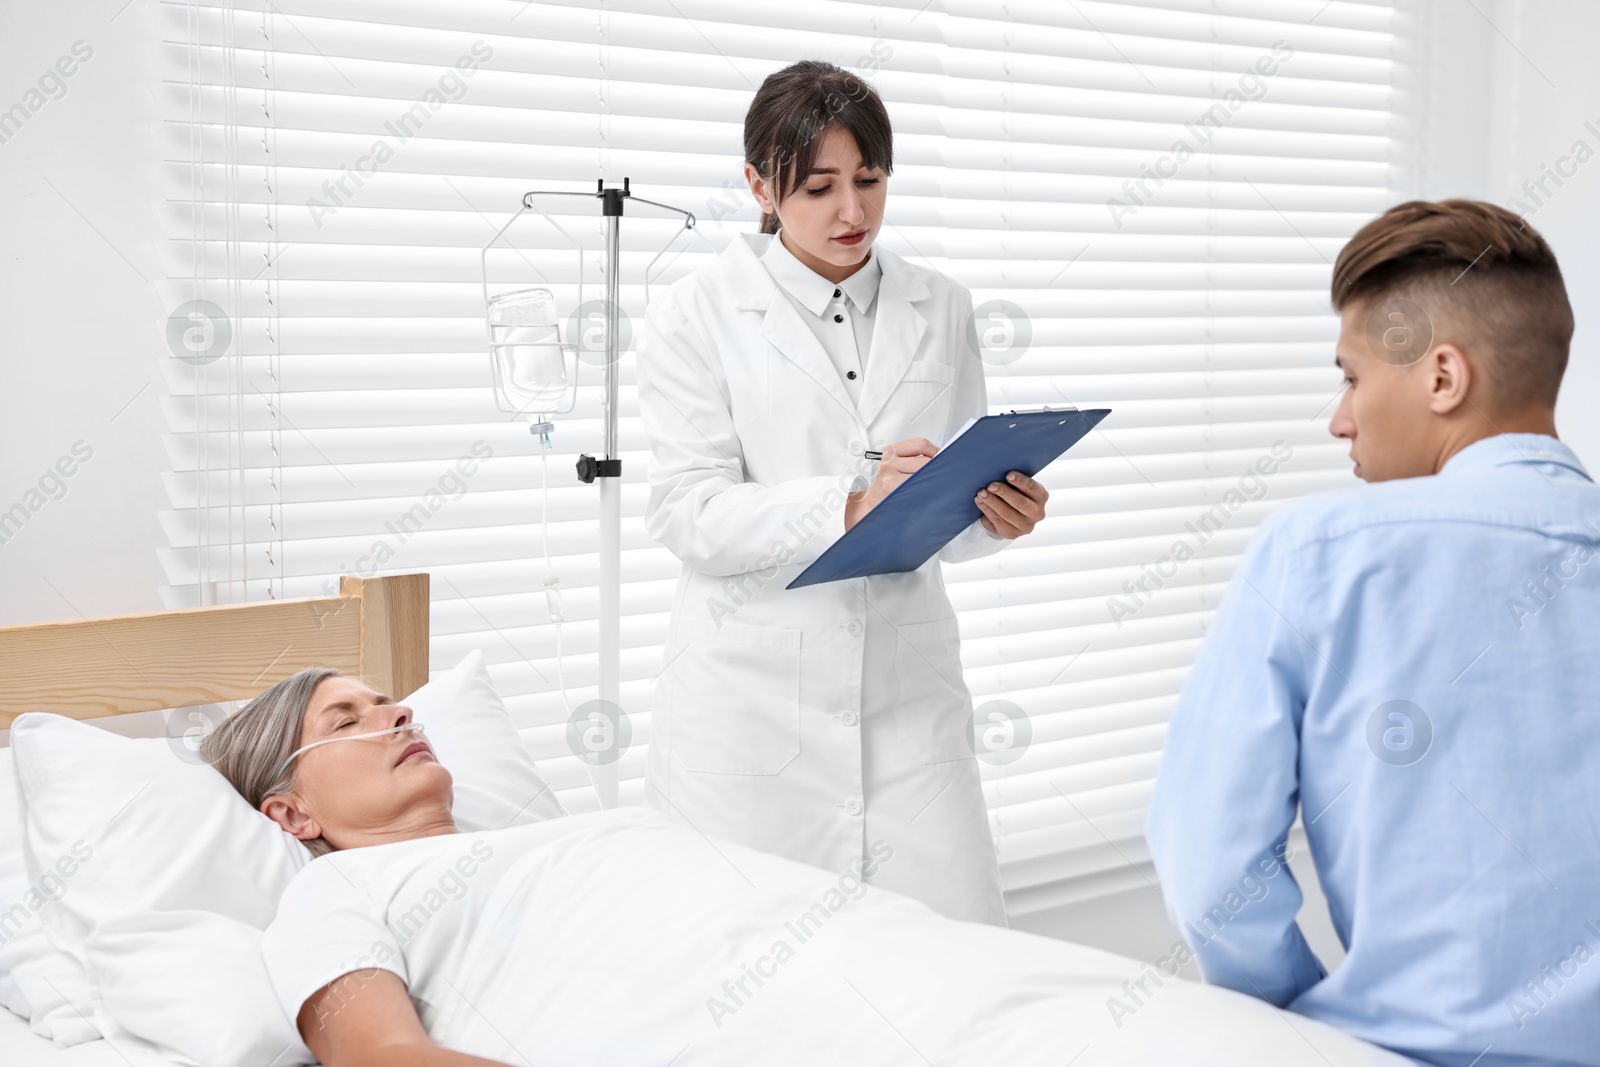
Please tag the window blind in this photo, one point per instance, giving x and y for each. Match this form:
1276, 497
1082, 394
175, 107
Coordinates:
1144, 197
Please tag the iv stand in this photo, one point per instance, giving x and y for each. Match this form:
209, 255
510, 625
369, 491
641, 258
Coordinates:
608, 470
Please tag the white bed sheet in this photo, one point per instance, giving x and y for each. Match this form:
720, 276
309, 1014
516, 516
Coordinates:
615, 938
21, 1047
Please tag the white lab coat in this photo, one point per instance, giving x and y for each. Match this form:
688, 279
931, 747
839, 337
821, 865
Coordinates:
814, 722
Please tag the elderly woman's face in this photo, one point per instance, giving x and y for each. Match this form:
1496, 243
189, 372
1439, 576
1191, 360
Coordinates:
363, 791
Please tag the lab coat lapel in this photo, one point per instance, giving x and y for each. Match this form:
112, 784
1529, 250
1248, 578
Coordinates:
784, 329
782, 326
896, 332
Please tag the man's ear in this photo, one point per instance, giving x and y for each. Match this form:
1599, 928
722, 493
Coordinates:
1450, 378
287, 811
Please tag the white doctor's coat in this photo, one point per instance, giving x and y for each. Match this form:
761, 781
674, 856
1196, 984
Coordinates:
818, 722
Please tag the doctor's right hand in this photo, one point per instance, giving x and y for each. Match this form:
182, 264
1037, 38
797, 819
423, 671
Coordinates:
900, 461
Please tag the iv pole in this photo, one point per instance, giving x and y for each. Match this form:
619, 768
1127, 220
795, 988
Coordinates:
607, 470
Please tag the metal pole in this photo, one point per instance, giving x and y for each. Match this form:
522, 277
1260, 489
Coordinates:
608, 469
607, 776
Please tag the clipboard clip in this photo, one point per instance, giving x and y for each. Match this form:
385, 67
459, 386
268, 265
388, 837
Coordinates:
1013, 411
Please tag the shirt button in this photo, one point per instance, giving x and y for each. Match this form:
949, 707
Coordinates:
853, 807
857, 448
848, 718
850, 374
837, 293
853, 627
838, 318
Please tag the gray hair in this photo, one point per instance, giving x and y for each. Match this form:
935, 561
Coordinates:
252, 744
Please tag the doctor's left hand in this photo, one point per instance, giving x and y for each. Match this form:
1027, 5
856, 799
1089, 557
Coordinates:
1013, 507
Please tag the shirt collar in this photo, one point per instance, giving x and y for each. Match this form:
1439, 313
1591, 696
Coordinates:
1505, 449
811, 289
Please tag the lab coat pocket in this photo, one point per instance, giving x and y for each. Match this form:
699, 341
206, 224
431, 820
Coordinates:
923, 397
734, 697
933, 705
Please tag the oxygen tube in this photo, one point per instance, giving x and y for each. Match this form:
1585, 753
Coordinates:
403, 727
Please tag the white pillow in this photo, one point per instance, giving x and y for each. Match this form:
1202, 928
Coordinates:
13, 887
143, 830
167, 912
463, 718
38, 981
213, 1003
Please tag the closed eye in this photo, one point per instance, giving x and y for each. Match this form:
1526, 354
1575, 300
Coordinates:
819, 190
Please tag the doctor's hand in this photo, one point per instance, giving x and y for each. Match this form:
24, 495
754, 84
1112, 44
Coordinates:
1013, 507
900, 461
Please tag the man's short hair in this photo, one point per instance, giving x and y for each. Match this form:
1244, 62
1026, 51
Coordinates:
1482, 274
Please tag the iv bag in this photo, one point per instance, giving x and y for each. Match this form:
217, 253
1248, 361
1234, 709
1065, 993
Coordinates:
531, 363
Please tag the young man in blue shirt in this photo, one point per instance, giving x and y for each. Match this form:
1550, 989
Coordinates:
1411, 664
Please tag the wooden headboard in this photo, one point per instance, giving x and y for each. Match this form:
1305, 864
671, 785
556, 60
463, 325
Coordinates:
86, 668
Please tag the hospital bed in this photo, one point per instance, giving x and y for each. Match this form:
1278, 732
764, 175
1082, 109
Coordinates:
123, 665
379, 629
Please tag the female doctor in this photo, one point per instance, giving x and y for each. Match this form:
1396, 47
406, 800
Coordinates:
829, 723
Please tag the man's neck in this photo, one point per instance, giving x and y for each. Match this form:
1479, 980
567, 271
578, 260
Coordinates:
1481, 427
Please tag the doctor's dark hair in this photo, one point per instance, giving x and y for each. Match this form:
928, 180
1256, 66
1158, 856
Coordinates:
1485, 276
794, 108
253, 742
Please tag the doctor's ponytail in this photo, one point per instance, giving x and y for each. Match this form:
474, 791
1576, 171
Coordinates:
794, 107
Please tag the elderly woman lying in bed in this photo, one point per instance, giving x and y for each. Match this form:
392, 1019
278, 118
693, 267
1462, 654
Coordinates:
621, 937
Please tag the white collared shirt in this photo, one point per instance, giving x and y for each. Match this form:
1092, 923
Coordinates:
841, 316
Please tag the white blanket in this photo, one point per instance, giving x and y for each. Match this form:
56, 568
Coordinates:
620, 938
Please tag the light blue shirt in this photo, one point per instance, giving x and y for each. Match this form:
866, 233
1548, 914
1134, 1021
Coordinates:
1412, 663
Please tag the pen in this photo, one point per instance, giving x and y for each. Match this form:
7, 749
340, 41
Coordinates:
874, 455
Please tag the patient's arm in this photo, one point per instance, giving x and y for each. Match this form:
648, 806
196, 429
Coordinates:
1229, 786
356, 1021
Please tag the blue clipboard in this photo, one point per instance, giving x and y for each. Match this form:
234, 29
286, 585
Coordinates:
927, 510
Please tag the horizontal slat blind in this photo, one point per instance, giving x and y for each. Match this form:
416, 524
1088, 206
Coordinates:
1196, 308
1036, 162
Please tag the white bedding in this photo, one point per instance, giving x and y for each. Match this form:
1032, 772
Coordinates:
613, 937
21, 1047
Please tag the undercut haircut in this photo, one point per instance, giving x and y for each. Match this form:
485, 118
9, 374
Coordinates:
1484, 275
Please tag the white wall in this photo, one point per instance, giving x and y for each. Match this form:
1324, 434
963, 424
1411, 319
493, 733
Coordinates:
1506, 89
1547, 87
80, 317
81, 339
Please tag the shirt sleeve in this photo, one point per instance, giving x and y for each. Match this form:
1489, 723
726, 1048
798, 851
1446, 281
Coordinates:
971, 399
1228, 787
701, 507
327, 927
